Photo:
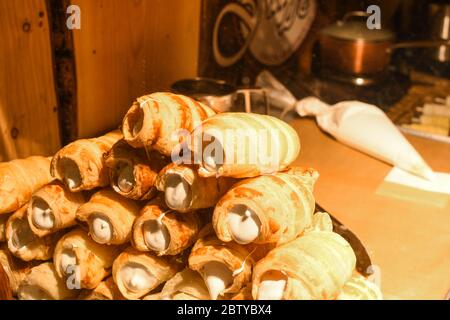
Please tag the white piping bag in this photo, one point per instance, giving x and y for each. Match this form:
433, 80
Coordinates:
359, 125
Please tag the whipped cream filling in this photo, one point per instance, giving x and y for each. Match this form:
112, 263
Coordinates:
177, 192
32, 292
101, 228
213, 154
136, 278
272, 286
218, 277
244, 225
42, 215
71, 174
125, 179
68, 258
156, 235
21, 234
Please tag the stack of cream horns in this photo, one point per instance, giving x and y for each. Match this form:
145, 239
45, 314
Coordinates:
184, 203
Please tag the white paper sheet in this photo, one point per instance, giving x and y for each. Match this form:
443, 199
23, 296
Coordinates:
440, 185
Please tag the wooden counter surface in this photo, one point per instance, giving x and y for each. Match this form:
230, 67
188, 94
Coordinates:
409, 242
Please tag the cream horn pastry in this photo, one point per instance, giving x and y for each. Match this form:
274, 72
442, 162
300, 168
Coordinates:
23, 243
15, 269
185, 190
360, 288
155, 120
243, 145
106, 290
76, 254
133, 172
314, 266
43, 283
3, 220
53, 208
164, 231
267, 209
19, 179
80, 164
185, 285
110, 217
138, 273
225, 267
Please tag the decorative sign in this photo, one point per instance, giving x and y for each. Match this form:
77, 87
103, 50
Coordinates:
273, 29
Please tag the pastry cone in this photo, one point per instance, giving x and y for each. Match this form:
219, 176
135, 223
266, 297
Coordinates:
19, 179
133, 172
267, 209
80, 164
360, 288
225, 267
137, 273
155, 120
110, 217
53, 208
164, 231
23, 243
3, 220
312, 267
185, 190
77, 254
243, 145
15, 269
42, 283
106, 290
185, 285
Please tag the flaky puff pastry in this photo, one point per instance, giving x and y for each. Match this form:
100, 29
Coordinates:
19, 179
15, 269
225, 267
110, 217
53, 208
23, 243
133, 172
185, 190
42, 283
81, 166
360, 288
154, 120
83, 260
3, 220
106, 290
267, 209
314, 266
165, 231
137, 273
185, 285
244, 294
243, 145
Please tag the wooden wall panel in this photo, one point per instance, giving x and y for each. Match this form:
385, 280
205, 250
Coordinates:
28, 108
128, 48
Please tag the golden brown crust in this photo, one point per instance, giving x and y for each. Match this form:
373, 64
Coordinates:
283, 202
244, 294
3, 220
146, 166
316, 266
252, 144
204, 192
208, 248
159, 267
185, 285
87, 154
93, 260
63, 203
31, 247
19, 179
119, 211
106, 290
183, 228
160, 115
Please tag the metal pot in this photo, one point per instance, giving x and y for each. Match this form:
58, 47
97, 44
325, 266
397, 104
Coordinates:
351, 47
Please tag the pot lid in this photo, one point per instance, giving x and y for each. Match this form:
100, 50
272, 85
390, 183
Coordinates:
356, 30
